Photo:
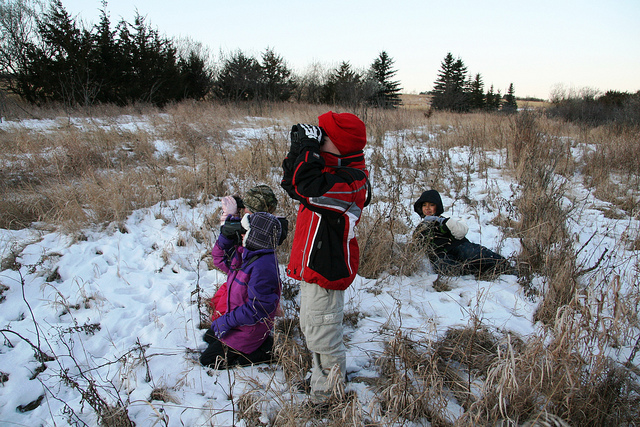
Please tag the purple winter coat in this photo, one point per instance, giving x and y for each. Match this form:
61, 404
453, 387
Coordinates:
253, 293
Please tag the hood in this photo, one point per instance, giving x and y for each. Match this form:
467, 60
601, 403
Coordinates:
431, 196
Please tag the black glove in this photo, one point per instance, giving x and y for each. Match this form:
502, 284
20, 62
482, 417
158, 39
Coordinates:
307, 135
233, 230
209, 336
284, 229
294, 149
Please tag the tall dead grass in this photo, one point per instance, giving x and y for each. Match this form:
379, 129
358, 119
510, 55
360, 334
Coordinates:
611, 165
556, 376
89, 170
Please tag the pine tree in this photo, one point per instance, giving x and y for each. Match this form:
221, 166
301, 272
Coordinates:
105, 59
449, 91
239, 78
388, 91
154, 59
277, 80
57, 67
67, 63
510, 105
343, 86
476, 93
196, 77
493, 100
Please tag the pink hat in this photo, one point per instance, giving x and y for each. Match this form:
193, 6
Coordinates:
347, 132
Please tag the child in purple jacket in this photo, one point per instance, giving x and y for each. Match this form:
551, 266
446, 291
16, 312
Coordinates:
242, 336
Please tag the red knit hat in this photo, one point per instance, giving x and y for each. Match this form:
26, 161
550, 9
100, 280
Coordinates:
347, 132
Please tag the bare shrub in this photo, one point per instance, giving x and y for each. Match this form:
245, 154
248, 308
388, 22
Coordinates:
556, 375
409, 386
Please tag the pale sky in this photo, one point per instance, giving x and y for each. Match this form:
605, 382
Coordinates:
538, 45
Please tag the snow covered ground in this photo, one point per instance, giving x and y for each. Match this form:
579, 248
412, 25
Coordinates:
116, 308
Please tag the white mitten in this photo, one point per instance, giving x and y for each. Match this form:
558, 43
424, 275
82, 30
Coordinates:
457, 227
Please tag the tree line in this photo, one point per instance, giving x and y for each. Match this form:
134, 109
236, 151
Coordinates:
48, 56
588, 106
455, 91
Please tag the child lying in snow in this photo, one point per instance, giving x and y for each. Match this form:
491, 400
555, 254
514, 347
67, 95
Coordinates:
445, 243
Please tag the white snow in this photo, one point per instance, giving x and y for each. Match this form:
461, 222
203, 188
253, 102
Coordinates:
118, 306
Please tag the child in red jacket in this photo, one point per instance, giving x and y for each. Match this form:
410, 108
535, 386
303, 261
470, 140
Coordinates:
325, 171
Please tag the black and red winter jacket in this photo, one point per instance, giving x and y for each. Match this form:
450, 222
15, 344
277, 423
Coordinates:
332, 191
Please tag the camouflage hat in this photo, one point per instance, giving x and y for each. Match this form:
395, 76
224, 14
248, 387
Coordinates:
261, 199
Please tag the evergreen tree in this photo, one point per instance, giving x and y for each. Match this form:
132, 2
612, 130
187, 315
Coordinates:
476, 93
238, 80
105, 59
69, 64
343, 86
449, 91
388, 90
154, 74
197, 78
78, 66
277, 80
493, 100
510, 105
57, 68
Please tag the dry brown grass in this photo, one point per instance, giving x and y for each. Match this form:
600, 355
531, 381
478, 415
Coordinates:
73, 177
100, 172
501, 379
557, 374
291, 351
409, 386
611, 165
416, 102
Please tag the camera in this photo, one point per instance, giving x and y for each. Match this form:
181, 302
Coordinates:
233, 229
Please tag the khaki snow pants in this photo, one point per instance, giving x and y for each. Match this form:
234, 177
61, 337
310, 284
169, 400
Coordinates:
321, 314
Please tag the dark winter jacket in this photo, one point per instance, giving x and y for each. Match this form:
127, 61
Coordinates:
449, 251
434, 236
332, 191
253, 294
